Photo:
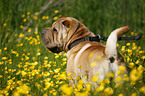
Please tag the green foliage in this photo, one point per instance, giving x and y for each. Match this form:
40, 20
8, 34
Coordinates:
101, 17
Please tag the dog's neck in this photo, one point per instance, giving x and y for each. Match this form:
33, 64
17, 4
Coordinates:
93, 39
80, 34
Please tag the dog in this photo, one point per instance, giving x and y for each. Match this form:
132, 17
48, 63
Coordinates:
85, 58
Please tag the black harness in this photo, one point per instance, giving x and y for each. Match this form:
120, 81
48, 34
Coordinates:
97, 38
94, 39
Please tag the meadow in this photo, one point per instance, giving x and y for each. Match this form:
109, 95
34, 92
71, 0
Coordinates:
27, 68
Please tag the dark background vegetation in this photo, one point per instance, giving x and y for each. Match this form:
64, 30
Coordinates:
100, 16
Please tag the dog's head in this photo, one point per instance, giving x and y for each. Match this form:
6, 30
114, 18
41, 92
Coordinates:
63, 32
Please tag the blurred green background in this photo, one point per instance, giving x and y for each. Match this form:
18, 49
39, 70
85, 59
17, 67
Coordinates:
101, 17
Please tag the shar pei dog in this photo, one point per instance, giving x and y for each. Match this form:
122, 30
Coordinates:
85, 57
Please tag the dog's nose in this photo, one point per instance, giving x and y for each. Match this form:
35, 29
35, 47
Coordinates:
43, 32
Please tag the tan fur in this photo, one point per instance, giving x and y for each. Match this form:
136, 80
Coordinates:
79, 57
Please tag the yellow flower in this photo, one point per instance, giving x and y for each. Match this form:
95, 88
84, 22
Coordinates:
36, 32
23, 15
93, 64
63, 76
34, 64
23, 73
28, 13
108, 91
54, 93
133, 76
107, 81
21, 26
56, 11
24, 20
64, 59
79, 86
57, 70
131, 65
21, 35
24, 89
81, 93
69, 74
80, 81
121, 70
45, 94
110, 74
38, 54
123, 48
6, 68
117, 44
67, 90
94, 78
45, 57
91, 55
129, 51
97, 73
55, 18
132, 33
142, 89
137, 62
4, 58
47, 84
64, 54
86, 77
1, 76
135, 47
4, 24
1, 63
29, 30
99, 58
140, 52
43, 17
88, 86
35, 17
56, 55
118, 79
120, 94
47, 17
133, 94
100, 88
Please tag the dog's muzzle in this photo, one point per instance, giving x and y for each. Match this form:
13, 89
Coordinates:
55, 49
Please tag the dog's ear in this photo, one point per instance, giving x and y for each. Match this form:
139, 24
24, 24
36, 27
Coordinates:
66, 23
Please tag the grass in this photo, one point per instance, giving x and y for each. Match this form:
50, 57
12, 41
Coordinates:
28, 68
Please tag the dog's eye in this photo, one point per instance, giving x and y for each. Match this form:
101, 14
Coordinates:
54, 30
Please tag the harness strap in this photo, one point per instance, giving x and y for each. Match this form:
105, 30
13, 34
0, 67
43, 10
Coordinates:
95, 39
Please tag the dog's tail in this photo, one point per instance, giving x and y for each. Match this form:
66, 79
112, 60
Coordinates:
111, 45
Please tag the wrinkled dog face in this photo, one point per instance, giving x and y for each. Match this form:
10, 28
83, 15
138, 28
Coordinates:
57, 37
53, 37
